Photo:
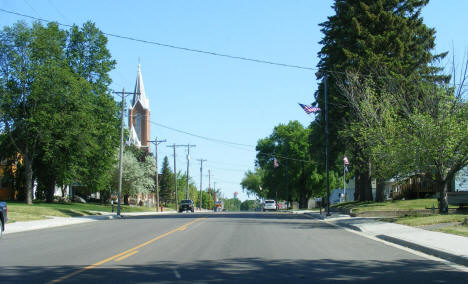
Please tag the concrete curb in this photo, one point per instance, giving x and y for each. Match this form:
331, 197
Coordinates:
54, 222
457, 259
430, 251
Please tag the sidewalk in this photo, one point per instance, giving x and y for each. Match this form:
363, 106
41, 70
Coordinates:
445, 246
17, 227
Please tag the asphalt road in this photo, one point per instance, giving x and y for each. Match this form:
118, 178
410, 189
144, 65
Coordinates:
211, 248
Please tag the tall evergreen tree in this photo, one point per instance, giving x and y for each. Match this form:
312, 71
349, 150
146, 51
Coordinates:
366, 36
166, 182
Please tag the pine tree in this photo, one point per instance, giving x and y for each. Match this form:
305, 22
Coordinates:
166, 182
366, 37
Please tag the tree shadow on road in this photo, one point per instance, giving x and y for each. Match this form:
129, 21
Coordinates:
247, 270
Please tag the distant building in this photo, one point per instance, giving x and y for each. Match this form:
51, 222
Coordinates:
236, 194
139, 115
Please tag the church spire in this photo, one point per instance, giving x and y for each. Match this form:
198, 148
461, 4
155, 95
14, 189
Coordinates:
139, 94
139, 116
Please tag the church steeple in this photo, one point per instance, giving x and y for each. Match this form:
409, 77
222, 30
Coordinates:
139, 94
139, 115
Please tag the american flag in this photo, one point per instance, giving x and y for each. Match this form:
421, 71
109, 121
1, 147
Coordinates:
309, 109
345, 161
275, 163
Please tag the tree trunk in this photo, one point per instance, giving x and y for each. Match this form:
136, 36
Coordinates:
363, 176
126, 196
357, 185
50, 190
303, 203
28, 176
63, 188
380, 191
443, 200
365, 187
304, 199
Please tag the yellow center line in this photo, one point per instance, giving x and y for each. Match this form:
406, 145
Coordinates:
181, 228
127, 255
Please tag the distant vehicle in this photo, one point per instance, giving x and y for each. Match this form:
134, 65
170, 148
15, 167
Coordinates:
3, 216
269, 205
186, 205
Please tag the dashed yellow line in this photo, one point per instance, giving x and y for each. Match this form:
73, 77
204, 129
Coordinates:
124, 254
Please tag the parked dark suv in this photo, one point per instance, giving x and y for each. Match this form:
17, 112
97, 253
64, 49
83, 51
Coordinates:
186, 205
3, 217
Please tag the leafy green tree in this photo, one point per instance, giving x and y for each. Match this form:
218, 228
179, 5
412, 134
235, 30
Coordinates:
62, 123
252, 182
294, 175
137, 177
88, 56
363, 36
232, 204
30, 58
406, 137
193, 193
207, 200
249, 205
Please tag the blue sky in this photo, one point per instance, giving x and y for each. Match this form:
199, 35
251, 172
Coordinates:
217, 97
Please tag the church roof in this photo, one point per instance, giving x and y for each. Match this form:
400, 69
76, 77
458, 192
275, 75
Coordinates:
139, 94
133, 139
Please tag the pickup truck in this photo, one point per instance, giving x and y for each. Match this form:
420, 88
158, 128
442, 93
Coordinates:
3, 216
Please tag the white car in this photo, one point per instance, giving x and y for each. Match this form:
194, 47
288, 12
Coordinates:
269, 205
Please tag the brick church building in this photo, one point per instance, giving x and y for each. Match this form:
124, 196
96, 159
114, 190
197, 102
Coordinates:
139, 127
139, 115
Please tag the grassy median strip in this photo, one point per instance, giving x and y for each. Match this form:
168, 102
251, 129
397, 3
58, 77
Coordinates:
390, 205
18, 212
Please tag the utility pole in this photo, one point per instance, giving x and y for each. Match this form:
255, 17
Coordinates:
175, 177
215, 197
201, 175
188, 165
119, 195
209, 189
326, 141
121, 152
156, 142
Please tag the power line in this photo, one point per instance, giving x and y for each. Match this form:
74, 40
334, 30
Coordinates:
206, 52
231, 143
228, 170
200, 136
243, 58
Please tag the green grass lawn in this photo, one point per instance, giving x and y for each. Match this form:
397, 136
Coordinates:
40, 210
461, 230
391, 205
416, 221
